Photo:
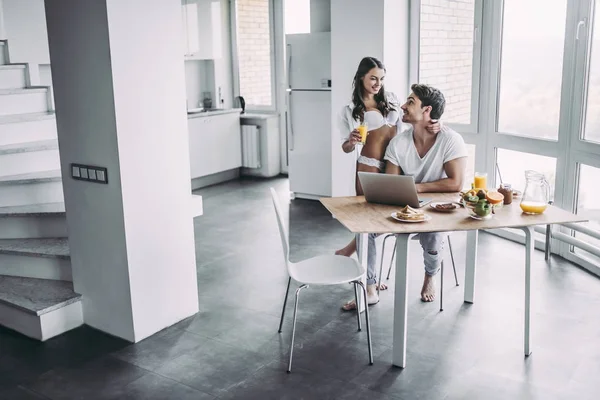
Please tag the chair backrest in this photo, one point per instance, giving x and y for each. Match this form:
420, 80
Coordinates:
282, 231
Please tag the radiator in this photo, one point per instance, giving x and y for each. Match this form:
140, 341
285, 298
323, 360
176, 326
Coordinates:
250, 146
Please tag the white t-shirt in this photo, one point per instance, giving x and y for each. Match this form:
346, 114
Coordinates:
401, 151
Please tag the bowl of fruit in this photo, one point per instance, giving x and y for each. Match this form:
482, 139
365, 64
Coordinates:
481, 203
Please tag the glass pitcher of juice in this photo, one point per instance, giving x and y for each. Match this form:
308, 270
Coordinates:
537, 193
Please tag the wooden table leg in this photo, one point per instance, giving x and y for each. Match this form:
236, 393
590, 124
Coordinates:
401, 301
471, 264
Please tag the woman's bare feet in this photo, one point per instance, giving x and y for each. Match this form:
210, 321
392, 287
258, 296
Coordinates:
428, 290
348, 250
372, 298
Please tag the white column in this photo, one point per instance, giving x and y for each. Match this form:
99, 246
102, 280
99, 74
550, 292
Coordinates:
376, 28
119, 86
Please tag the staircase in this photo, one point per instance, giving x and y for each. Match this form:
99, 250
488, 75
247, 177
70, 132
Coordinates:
36, 293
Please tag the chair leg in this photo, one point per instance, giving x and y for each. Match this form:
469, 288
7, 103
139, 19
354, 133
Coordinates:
364, 290
287, 291
442, 287
357, 306
452, 258
294, 327
381, 263
391, 262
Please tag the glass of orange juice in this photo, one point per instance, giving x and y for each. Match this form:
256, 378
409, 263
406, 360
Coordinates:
363, 130
480, 180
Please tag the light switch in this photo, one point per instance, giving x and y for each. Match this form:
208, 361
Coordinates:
89, 173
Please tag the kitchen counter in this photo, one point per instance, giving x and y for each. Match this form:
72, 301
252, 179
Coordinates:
202, 114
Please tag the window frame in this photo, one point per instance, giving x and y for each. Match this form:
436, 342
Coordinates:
415, 54
235, 58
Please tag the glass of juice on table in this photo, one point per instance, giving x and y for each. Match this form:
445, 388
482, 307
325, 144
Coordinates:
480, 180
536, 194
363, 130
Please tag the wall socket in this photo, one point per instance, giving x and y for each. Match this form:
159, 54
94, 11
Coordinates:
89, 173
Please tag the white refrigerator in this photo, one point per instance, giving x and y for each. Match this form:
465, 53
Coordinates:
308, 117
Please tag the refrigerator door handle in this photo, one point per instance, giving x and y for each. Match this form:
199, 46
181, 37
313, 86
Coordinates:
289, 129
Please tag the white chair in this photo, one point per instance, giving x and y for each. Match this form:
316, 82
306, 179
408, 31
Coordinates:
320, 270
441, 269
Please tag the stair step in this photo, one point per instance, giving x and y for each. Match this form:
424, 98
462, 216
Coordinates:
16, 118
31, 188
36, 296
32, 127
39, 145
32, 177
27, 90
49, 248
12, 66
24, 100
3, 54
29, 157
33, 210
13, 76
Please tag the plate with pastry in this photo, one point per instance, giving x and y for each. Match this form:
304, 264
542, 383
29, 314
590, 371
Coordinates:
409, 214
447, 206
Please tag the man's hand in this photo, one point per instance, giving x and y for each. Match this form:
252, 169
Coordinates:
433, 126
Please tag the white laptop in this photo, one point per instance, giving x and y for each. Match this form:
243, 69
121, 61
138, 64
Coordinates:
397, 190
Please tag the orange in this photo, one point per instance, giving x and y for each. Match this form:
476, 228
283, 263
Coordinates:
494, 197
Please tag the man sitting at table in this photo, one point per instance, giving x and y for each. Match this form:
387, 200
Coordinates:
437, 161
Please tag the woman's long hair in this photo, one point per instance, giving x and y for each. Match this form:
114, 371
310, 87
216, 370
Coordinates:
358, 113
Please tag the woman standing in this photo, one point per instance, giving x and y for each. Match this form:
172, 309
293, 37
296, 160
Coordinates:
379, 111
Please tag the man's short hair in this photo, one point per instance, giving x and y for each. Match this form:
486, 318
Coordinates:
430, 96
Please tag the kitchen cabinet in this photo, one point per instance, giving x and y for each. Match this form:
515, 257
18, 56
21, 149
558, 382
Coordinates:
202, 26
215, 144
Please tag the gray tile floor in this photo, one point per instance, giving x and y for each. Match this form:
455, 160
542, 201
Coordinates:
231, 348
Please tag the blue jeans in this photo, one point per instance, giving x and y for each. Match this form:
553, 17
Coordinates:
431, 243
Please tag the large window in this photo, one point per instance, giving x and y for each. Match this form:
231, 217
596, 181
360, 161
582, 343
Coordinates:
446, 54
588, 205
254, 52
592, 121
533, 37
511, 167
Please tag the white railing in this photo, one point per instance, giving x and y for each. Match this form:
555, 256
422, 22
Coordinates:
563, 237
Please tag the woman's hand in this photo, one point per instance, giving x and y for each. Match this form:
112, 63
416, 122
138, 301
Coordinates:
349, 145
434, 126
354, 137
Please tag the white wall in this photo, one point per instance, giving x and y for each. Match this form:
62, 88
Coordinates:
28, 42
2, 31
132, 241
87, 134
377, 28
222, 68
25, 29
197, 80
348, 46
155, 172
320, 16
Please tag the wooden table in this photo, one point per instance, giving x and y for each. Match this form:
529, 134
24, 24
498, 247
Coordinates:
363, 218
